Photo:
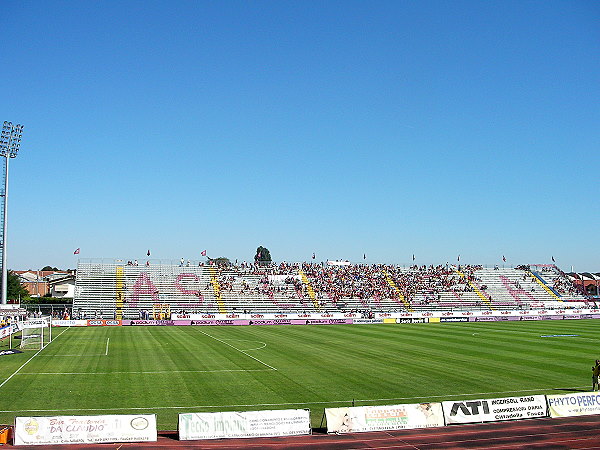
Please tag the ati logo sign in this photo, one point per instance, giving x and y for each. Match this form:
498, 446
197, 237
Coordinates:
470, 408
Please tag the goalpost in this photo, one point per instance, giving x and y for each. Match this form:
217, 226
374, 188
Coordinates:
35, 333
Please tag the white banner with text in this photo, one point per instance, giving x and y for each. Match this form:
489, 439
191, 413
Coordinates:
378, 418
247, 424
575, 404
495, 409
85, 429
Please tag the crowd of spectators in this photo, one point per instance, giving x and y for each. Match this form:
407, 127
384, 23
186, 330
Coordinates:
564, 287
341, 286
334, 286
5, 320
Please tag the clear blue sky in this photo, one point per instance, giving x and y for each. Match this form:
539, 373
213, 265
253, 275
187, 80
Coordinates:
390, 128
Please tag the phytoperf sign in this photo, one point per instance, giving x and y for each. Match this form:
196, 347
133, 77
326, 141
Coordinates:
576, 404
378, 418
248, 424
494, 410
85, 429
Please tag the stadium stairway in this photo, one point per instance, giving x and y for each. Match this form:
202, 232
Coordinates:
217, 289
476, 289
309, 289
536, 276
403, 299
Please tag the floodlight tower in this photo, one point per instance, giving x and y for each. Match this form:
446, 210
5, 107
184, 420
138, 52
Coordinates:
10, 141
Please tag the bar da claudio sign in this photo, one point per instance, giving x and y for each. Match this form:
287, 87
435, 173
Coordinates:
85, 429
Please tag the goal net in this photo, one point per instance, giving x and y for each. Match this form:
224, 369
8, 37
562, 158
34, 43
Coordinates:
35, 333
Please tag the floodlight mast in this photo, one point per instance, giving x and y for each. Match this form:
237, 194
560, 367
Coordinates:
10, 141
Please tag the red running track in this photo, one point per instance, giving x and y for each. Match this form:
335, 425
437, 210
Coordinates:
567, 433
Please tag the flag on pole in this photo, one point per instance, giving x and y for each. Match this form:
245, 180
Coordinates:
76, 252
364, 256
148, 253
413, 256
203, 253
503, 258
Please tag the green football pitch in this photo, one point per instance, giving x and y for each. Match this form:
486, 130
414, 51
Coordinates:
172, 370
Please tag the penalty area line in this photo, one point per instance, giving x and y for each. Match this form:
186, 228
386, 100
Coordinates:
27, 362
82, 355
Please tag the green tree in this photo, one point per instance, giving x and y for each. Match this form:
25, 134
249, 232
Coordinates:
49, 268
263, 256
15, 290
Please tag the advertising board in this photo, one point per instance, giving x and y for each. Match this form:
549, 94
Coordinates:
8, 330
69, 323
495, 409
248, 424
84, 429
575, 404
411, 320
454, 319
379, 418
103, 323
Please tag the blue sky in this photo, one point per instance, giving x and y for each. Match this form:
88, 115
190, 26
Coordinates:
389, 128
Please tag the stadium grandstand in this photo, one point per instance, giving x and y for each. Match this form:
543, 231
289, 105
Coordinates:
125, 290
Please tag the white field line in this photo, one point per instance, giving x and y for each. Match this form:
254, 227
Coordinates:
82, 355
241, 351
331, 402
264, 344
27, 362
145, 372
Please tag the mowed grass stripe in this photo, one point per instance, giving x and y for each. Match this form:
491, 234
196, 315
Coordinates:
116, 381
316, 366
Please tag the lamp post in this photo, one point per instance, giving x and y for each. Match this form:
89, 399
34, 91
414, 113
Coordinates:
10, 141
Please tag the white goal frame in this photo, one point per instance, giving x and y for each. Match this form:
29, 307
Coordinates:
35, 333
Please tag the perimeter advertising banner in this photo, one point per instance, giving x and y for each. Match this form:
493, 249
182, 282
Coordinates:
411, 320
576, 404
69, 323
35, 323
85, 429
248, 424
378, 418
496, 409
8, 330
103, 323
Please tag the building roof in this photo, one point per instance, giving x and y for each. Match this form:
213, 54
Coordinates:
64, 279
